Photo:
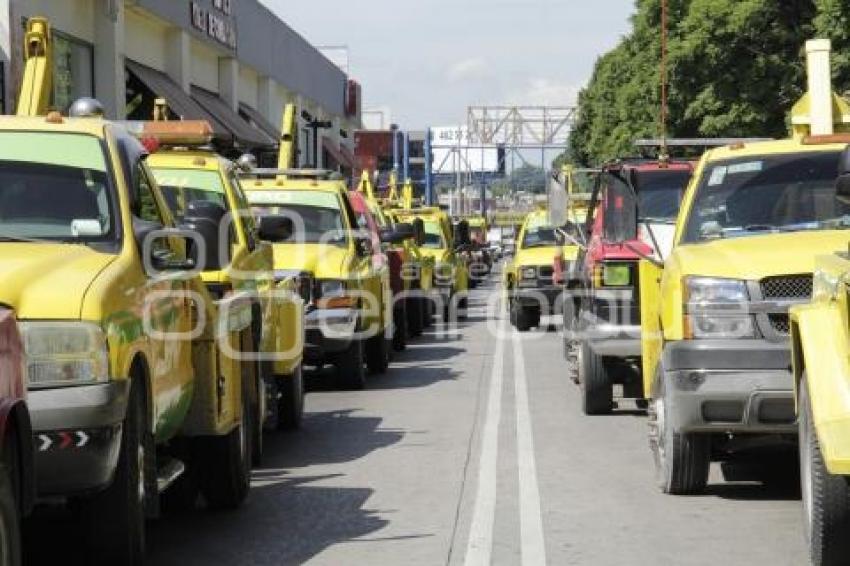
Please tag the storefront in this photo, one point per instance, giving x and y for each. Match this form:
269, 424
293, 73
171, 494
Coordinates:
232, 63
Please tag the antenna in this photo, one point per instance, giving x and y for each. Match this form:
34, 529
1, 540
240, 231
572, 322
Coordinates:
663, 154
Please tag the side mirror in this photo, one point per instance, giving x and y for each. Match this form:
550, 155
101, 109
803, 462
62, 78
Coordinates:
842, 184
363, 244
419, 230
621, 211
151, 238
461, 234
205, 218
398, 233
275, 228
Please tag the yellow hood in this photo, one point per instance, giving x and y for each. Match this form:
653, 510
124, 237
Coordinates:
537, 256
48, 280
754, 257
323, 261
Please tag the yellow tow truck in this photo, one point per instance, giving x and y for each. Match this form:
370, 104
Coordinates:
129, 381
443, 245
197, 181
349, 312
714, 315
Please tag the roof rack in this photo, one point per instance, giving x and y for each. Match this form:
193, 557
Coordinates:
696, 142
318, 174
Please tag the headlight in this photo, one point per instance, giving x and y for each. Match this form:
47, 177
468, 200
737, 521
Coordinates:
64, 353
717, 308
713, 293
528, 273
332, 288
334, 295
612, 275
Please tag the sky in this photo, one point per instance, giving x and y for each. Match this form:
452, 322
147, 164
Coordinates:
428, 60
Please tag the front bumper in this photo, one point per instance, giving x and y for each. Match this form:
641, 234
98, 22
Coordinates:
547, 299
328, 331
729, 386
612, 327
77, 435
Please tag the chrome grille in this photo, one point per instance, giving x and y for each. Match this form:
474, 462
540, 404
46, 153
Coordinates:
780, 323
545, 272
787, 287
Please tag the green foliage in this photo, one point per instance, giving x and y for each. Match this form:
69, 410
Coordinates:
526, 178
735, 69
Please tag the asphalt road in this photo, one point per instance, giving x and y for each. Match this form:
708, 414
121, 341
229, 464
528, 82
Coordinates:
472, 450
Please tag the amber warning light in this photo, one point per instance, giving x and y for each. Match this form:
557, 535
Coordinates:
183, 132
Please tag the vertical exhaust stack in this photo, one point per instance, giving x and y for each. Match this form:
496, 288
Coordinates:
820, 86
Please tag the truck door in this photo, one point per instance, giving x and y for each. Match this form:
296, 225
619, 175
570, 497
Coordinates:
650, 322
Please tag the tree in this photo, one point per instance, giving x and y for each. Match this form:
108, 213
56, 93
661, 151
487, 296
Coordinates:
735, 69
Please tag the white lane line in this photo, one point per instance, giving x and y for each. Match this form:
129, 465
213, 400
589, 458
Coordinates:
533, 546
479, 547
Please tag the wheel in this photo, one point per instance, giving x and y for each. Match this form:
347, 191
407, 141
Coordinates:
116, 516
430, 310
597, 391
463, 308
226, 460
400, 328
290, 402
377, 354
682, 460
415, 316
519, 317
826, 497
349, 366
10, 515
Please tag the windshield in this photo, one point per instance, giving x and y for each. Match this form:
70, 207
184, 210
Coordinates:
433, 236
181, 187
54, 187
743, 197
544, 236
317, 215
660, 194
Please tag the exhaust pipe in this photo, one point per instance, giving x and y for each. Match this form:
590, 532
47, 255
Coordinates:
818, 53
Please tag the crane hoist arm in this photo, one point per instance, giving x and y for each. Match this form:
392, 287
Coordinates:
288, 151
36, 86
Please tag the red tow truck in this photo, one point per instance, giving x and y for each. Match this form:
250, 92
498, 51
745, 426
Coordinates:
601, 310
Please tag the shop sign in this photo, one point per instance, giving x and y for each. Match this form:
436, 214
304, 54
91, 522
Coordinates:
217, 23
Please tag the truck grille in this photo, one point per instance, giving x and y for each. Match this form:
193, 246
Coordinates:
780, 323
545, 273
787, 287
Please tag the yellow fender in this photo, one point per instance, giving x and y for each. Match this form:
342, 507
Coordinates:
819, 346
652, 337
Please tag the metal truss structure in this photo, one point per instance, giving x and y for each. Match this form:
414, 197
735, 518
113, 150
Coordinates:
521, 126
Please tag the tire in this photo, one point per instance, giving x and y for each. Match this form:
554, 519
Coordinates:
377, 354
349, 365
415, 316
226, 460
116, 516
400, 328
682, 460
597, 391
10, 504
463, 308
290, 408
520, 317
826, 497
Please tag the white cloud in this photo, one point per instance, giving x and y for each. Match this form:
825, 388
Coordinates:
545, 92
470, 69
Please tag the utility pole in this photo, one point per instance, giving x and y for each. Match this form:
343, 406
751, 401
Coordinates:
458, 178
429, 195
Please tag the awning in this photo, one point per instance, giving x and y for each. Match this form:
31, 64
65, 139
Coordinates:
334, 150
178, 101
253, 117
244, 133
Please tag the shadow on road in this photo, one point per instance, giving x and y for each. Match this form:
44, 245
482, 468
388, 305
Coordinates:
332, 437
286, 520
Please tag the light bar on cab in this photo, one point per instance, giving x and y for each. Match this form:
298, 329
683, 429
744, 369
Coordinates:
178, 132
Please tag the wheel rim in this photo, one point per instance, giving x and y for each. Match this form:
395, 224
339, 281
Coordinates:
140, 457
658, 431
806, 471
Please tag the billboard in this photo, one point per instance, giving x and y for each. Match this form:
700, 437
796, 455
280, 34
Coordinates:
452, 151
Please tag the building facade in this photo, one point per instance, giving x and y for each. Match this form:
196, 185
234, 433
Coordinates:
232, 62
